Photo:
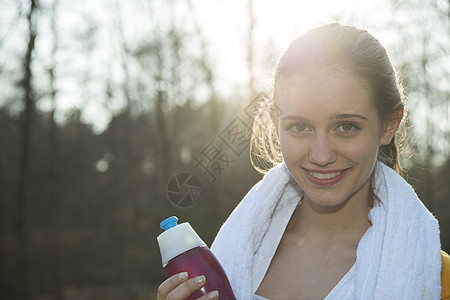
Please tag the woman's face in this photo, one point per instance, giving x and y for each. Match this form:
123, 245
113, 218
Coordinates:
329, 134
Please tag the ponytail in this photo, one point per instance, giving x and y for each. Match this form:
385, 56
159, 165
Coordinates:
388, 154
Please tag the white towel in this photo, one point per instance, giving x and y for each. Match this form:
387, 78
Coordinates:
397, 258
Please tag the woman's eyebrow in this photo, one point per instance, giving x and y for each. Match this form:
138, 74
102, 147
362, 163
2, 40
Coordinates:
294, 118
335, 116
347, 116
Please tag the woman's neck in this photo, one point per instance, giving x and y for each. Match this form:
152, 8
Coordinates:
328, 225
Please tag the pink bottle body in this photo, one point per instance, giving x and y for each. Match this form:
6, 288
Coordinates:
201, 261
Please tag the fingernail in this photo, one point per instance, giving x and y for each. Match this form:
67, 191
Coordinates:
183, 275
213, 295
200, 279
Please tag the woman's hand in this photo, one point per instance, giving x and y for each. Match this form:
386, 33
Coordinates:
179, 287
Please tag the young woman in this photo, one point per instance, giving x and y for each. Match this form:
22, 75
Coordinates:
333, 218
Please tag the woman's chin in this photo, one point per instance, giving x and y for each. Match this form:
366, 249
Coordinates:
325, 205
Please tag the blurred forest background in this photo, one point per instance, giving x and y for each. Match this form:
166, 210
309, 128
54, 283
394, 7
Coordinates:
102, 102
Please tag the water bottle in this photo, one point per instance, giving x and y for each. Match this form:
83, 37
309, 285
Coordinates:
182, 250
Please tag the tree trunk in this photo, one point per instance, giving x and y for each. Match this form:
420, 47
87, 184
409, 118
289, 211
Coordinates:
55, 261
429, 155
25, 153
165, 145
250, 52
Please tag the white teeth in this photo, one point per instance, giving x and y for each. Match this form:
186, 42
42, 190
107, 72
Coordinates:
324, 175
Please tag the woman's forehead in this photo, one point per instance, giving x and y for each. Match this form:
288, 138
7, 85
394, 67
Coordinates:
323, 92
321, 83
314, 73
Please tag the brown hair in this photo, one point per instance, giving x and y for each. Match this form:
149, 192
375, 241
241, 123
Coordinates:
345, 50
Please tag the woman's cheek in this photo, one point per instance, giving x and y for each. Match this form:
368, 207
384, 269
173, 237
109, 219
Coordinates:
292, 148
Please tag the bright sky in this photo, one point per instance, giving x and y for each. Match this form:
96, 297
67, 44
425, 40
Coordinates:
277, 23
224, 22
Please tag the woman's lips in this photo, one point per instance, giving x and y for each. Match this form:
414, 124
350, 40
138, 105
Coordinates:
325, 178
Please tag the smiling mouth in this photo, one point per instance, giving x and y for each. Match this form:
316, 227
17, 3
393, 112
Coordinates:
324, 175
324, 178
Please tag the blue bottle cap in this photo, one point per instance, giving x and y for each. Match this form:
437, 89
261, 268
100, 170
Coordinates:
169, 223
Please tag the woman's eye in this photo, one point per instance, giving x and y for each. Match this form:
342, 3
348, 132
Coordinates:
348, 127
298, 127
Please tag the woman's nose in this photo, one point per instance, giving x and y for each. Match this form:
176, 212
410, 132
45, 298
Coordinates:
321, 152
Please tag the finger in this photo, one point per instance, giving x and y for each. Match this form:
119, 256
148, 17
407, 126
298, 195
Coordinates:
210, 296
169, 284
185, 289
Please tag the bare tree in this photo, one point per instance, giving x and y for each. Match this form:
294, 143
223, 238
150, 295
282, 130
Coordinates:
52, 190
161, 104
423, 54
25, 152
124, 53
250, 49
206, 69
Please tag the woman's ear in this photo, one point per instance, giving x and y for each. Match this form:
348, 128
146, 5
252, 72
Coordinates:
390, 127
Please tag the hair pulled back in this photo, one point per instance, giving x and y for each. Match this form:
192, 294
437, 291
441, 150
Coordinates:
347, 51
